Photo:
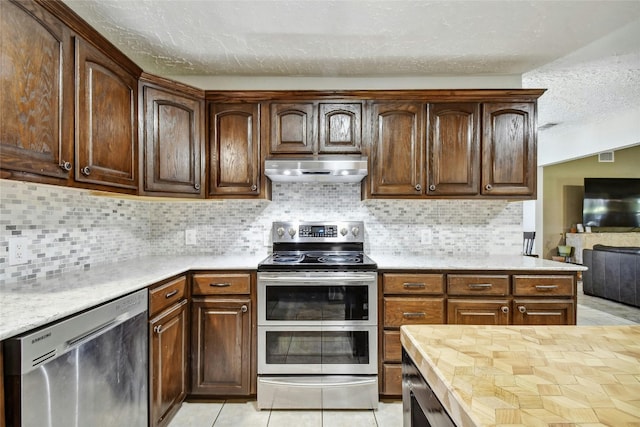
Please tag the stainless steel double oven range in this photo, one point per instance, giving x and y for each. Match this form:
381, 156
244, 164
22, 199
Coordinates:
317, 319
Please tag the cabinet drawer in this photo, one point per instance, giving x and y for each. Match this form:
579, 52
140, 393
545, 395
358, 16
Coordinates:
221, 284
392, 379
165, 295
543, 285
412, 283
392, 346
400, 311
477, 284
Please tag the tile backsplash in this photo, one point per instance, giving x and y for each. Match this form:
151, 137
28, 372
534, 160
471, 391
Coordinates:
69, 229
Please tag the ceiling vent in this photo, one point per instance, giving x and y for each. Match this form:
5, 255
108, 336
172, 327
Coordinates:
606, 157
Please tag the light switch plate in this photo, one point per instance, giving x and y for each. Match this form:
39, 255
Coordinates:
190, 237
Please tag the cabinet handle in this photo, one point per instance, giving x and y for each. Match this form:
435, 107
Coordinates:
417, 314
504, 309
546, 287
432, 187
66, 166
172, 293
418, 187
197, 186
522, 309
254, 187
414, 285
488, 187
244, 308
86, 170
480, 285
220, 285
157, 329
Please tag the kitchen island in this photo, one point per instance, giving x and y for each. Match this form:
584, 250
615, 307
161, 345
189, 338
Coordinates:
530, 375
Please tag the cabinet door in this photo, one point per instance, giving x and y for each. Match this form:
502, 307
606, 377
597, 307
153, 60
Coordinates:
509, 149
168, 363
544, 312
397, 151
36, 92
292, 128
477, 312
234, 159
221, 346
172, 143
340, 129
106, 124
453, 161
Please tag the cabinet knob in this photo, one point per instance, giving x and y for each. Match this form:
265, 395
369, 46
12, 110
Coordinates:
86, 170
197, 186
504, 309
254, 187
488, 187
418, 187
244, 309
432, 187
522, 309
157, 329
66, 166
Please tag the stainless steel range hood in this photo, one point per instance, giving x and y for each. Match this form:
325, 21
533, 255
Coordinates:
324, 168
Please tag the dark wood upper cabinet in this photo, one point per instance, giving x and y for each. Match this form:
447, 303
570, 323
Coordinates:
292, 127
397, 148
453, 146
36, 92
106, 120
340, 129
234, 149
509, 149
172, 142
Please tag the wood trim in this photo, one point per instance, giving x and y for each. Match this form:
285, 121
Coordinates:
171, 85
427, 95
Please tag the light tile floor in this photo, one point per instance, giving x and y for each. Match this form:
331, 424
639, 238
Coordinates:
591, 311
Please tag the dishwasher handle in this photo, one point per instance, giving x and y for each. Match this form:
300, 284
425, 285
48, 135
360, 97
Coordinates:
95, 332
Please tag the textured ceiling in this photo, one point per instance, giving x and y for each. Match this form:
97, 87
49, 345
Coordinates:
549, 42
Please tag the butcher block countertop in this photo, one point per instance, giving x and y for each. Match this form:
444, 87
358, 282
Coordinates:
531, 375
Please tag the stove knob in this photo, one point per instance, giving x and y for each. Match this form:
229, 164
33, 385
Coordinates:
292, 232
280, 231
344, 231
355, 231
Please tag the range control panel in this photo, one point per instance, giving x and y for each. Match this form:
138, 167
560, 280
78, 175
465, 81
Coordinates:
318, 231
307, 232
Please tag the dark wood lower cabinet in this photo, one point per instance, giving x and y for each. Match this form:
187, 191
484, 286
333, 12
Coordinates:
544, 312
221, 346
168, 363
477, 311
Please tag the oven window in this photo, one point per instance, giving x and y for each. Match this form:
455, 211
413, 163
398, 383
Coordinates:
317, 303
317, 347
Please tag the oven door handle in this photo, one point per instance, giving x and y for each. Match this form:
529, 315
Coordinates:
300, 279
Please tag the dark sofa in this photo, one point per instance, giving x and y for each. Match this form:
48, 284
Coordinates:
614, 273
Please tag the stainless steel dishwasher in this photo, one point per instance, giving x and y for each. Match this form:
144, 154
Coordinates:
88, 370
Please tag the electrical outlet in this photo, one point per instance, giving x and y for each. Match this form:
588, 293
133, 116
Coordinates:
190, 237
426, 237
267, 238
18, 250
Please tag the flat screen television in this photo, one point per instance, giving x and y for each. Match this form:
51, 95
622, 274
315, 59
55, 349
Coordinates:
611, 202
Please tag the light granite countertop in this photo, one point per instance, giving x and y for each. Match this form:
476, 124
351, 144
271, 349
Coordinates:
470, 262
26, 305
531, 375
30, 304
